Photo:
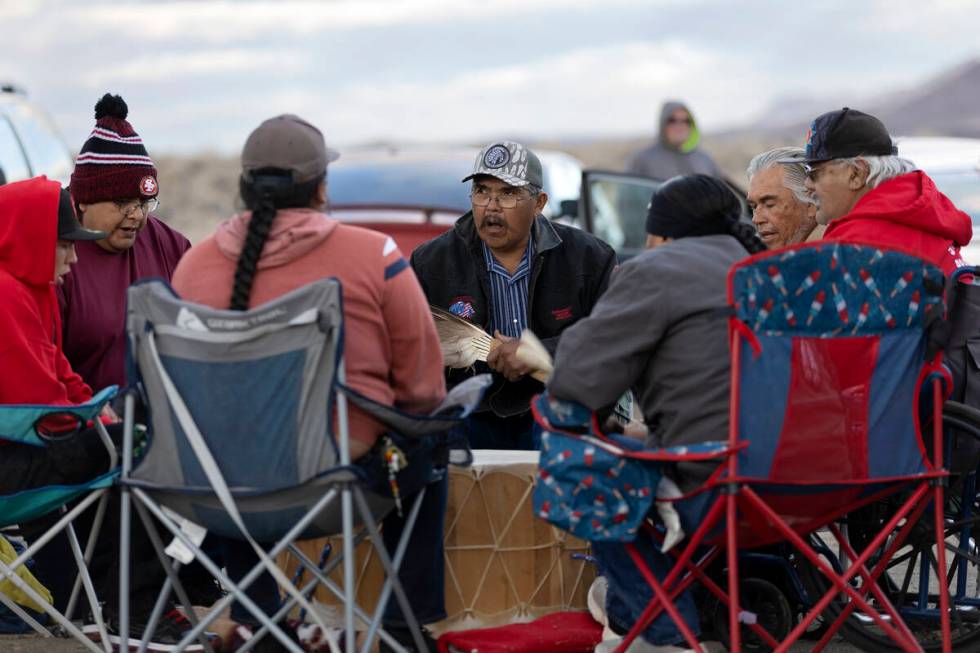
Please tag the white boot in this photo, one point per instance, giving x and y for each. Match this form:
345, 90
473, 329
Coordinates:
597, 606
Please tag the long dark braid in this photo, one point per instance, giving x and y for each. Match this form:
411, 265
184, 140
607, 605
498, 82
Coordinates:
258, 231
748, 236
264, 192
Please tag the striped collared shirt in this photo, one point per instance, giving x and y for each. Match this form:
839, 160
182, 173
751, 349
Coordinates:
508, 294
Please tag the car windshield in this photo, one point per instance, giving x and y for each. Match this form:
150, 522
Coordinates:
963, 189
405, 182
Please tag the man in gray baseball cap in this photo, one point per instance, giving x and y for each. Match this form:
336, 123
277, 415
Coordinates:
507, 195
509, 162
507, 268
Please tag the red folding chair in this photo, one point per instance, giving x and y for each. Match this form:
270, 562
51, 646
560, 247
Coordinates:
832, 363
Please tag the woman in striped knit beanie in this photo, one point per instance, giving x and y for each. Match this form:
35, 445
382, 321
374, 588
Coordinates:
114, 185
114, 181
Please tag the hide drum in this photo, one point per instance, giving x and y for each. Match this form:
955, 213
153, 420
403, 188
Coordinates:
503, 565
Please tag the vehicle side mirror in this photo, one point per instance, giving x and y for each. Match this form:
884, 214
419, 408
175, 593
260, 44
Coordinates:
3, 177
569, 208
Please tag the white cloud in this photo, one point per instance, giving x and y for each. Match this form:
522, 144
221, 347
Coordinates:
946, 22
19, 9
219, 21
614, 90
610, 90
152, 68
200, 75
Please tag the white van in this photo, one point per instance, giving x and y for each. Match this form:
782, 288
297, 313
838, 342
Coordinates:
29, 143
954, 164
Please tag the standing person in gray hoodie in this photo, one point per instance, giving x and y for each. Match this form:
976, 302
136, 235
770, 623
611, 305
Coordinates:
660, 330
676, 150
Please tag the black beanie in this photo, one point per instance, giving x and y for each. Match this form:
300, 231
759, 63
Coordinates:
692, 205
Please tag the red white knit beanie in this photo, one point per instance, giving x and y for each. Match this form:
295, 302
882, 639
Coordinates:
113, 164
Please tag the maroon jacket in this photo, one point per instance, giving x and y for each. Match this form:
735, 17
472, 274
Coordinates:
93, 299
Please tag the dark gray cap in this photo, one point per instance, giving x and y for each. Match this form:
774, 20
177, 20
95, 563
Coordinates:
510, 162
288, 142
69, 228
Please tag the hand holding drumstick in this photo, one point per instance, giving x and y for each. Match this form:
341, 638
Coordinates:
505, 358
463, 343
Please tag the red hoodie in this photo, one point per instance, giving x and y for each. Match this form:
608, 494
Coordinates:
910, 214
33, 369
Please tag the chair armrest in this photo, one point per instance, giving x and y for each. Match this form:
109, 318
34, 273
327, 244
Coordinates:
574, 419
459, 403
17, 420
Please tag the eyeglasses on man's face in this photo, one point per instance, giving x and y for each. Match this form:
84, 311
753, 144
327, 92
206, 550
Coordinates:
813, 171
508, 198
679, 121
146, 207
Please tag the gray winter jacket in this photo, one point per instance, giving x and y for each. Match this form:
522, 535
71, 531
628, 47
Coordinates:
659, 329
661, 161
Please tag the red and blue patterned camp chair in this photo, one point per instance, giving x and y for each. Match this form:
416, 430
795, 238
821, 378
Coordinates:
832, 363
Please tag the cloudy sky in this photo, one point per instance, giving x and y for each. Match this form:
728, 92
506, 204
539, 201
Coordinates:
200, 74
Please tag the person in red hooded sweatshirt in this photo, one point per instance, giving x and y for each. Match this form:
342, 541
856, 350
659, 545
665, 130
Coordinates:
38, 231
867, 194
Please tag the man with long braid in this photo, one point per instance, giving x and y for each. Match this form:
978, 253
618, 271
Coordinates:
285, 241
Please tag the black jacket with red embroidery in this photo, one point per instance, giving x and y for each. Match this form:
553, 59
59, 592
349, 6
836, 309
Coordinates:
570, 271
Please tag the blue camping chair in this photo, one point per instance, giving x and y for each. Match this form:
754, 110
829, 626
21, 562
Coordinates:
832, 347
18, 423
248, 438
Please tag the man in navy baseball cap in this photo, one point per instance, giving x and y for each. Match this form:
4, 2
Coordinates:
845, 133
866, 193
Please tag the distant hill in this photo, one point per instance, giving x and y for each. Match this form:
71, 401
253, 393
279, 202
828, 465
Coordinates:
948, 105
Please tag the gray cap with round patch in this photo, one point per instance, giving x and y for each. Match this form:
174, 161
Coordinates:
288, 142
510, 162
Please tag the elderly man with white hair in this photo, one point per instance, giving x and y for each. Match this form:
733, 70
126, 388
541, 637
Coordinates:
783, 212
867, 194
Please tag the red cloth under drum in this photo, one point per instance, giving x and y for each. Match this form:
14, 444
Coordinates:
561, 632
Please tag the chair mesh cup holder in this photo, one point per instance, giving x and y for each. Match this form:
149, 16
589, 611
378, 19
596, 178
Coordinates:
58, 427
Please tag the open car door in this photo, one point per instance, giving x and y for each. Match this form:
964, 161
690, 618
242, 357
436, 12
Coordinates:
614, 208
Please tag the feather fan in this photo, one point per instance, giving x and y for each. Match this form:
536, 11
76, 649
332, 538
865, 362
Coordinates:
463, 343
